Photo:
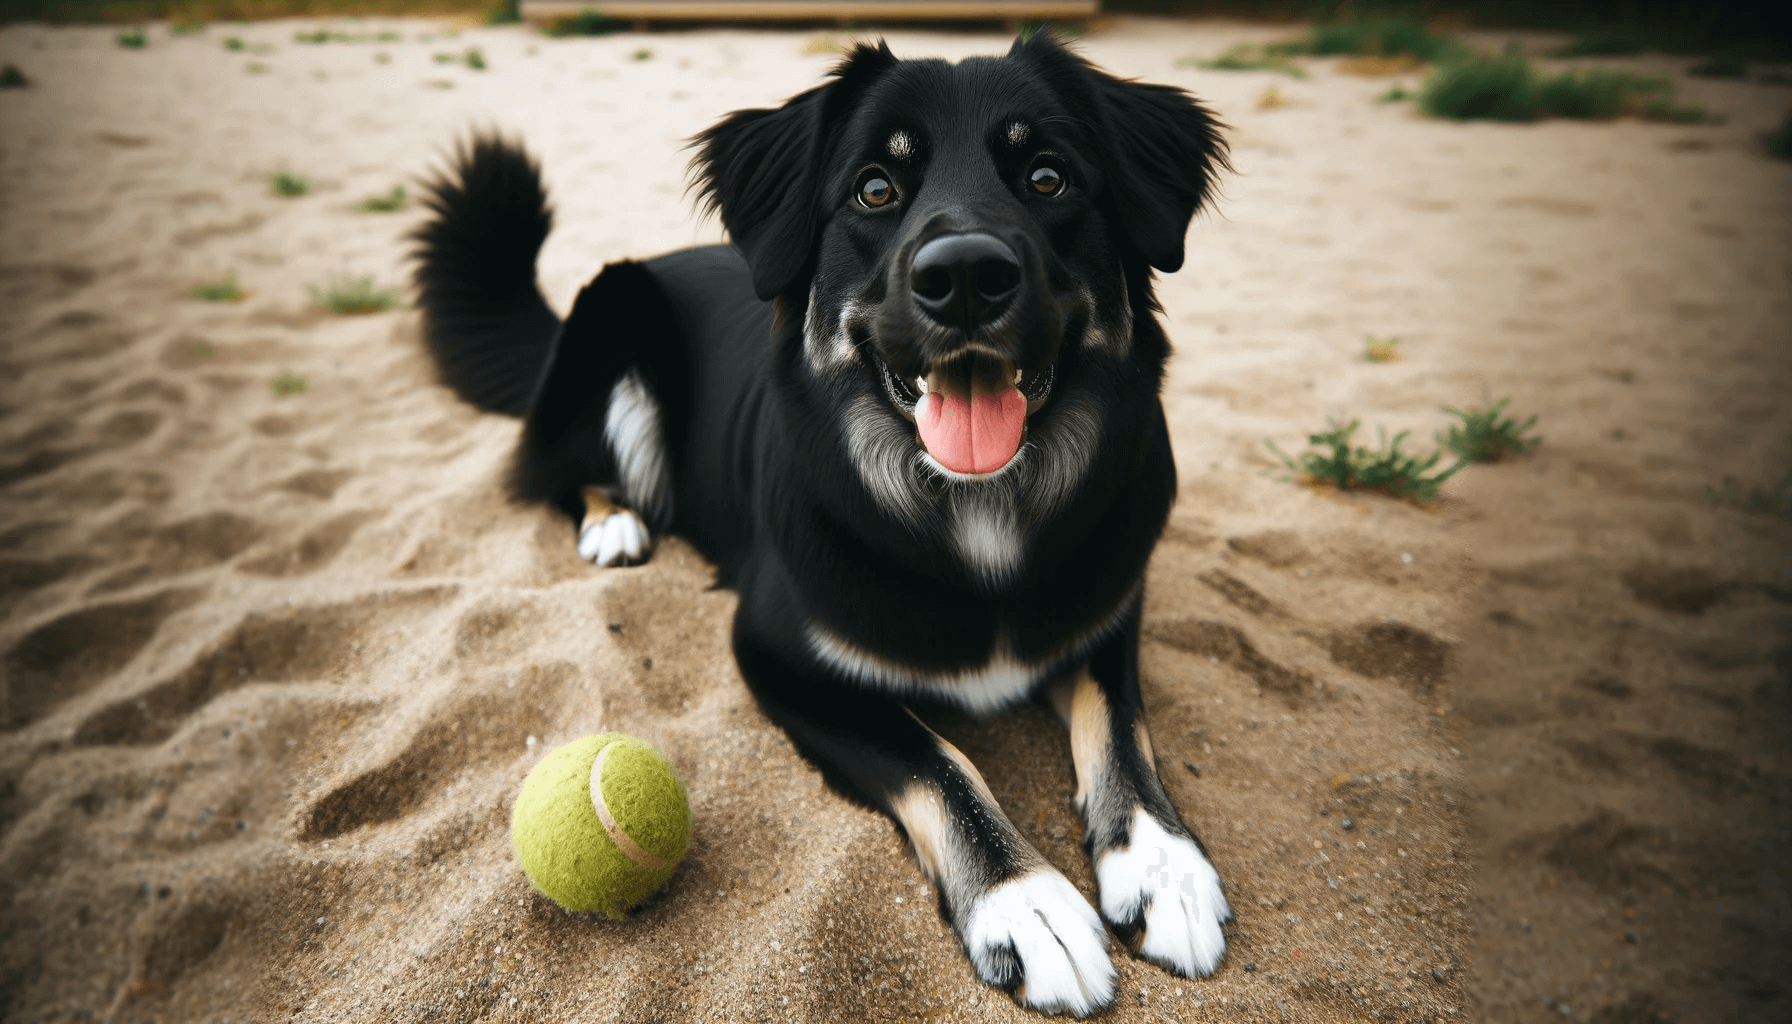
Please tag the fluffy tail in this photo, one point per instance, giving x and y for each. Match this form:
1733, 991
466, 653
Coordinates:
483, 318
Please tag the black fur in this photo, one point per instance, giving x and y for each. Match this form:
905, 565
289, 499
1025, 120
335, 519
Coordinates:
773, 373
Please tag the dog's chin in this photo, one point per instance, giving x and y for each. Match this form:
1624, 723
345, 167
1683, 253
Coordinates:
983, 381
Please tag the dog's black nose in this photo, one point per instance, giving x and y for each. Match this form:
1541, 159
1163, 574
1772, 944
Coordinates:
965, 281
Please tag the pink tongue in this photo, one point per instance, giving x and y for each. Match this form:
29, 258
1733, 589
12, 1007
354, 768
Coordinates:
978, 436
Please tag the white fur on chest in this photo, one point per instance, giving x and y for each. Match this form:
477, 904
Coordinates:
999, 683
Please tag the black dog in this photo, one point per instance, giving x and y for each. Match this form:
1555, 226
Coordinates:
912, 415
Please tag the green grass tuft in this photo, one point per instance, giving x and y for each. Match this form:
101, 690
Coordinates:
225, 289
505, 12
1506, 88
233, 43
1381, 350
1721, 66
1247, 57
186, 28
1779, 142
1348, 467
12, 78
286, 384
643, 54
285, 183
1374, 37
257, 68
133, 38
474, 59
313, 38
587, 22
353, 295
1483, 436
386, 202
1396, 94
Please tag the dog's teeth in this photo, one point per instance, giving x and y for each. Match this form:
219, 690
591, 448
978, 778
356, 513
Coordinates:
920, 387
1017, 376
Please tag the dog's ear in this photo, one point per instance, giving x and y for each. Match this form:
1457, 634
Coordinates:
761, 170
1162, 148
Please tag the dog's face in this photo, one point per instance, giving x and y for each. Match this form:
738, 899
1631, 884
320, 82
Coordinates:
968, 246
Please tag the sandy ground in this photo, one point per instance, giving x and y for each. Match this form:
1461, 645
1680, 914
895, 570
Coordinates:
275, 666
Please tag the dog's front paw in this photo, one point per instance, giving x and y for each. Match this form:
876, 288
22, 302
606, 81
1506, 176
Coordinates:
1036, 937
1163, 898
620, 538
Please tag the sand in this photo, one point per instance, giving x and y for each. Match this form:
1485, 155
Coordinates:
274, 666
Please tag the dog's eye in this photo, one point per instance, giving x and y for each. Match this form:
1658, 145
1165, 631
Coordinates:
1046, 180
875, 189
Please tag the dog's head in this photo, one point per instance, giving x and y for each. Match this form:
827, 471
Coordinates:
967, 246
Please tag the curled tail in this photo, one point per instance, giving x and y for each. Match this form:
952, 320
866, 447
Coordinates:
483, 317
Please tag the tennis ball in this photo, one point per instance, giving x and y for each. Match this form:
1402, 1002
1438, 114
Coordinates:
600, 823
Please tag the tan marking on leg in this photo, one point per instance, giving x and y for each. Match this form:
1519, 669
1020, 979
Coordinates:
1062, 692
1142, 737
1089, 731
923, 817
597, 508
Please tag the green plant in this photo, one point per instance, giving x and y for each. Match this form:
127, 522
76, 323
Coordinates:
386, 202
1375, 37
12, 78
1772, 501
438, 83
1779, 142
474, 59
185, 28
1247, 57
504, 12
1381, 350
225, 289
317, 37
1604, 43
233, 43
1483, 436
587, 22
285, 183
286, 384
447, 58
643, 54
1506, 88
354, 295
382, 58
258, 68
1396, 94
133, 38
1384, 468
1721, 66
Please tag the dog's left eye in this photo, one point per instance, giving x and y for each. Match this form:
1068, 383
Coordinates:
1046, 180
875, 189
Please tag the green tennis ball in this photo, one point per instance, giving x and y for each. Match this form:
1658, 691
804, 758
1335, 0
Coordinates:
601, 823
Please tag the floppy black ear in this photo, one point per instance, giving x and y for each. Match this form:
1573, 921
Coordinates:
1166, 151
1163, 149
761, 169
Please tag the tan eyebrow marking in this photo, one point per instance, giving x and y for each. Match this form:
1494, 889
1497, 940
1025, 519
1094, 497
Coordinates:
1017, 133
901, 146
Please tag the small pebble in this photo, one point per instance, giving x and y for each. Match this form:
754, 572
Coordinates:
1193, 768
1438, 975
1250, 967
1347, 824
1630, 937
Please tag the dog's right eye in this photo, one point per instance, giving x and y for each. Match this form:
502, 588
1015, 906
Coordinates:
875, 189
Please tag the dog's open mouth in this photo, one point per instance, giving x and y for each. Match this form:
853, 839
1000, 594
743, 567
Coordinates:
970, 410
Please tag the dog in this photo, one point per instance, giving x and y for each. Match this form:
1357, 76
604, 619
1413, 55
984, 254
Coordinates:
911, 413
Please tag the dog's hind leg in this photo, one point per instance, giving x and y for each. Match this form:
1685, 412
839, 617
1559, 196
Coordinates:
1157, 888
604, 420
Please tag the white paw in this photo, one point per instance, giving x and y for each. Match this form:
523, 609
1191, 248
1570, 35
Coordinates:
1038, 938
620, 538
1164, 884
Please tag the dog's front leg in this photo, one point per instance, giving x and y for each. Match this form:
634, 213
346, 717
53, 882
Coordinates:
1025, 928
1155, 884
